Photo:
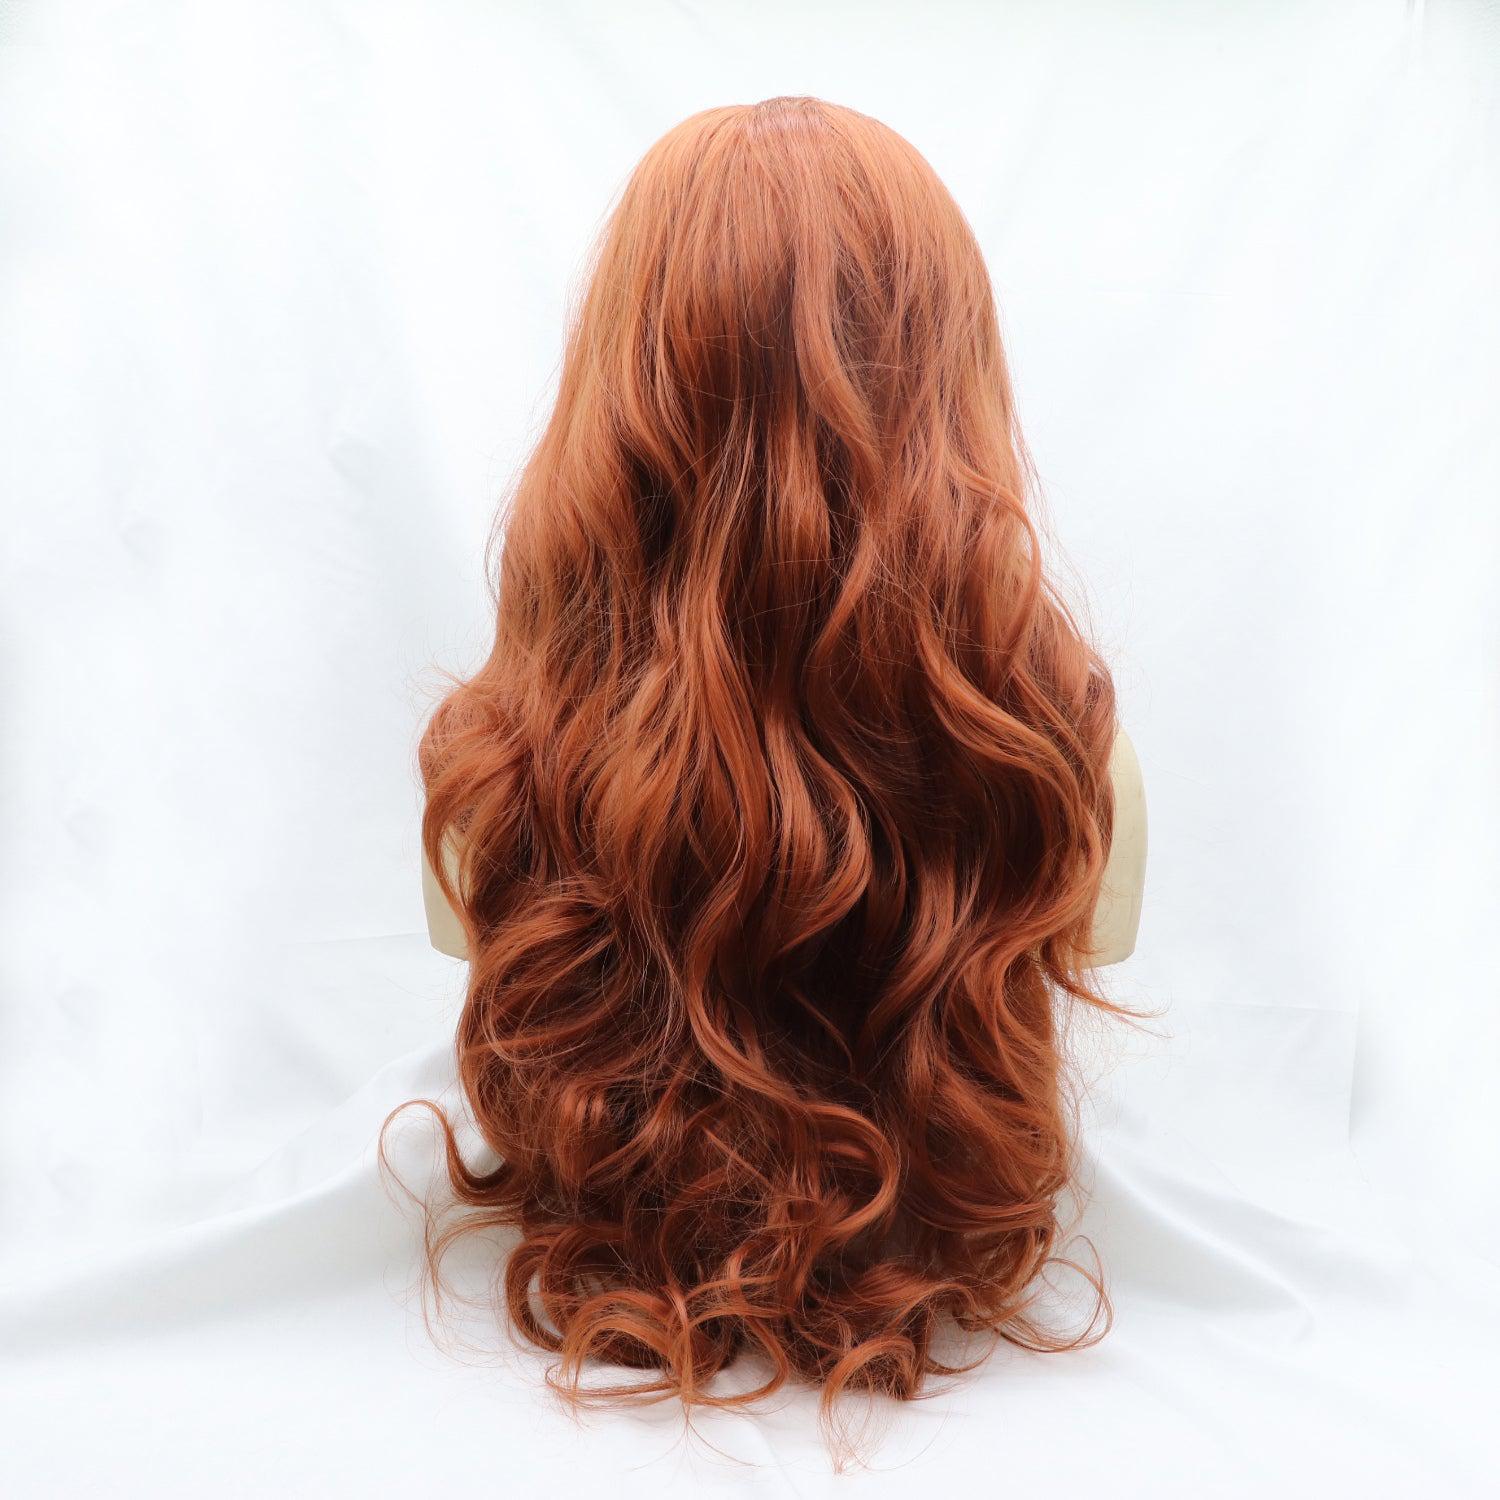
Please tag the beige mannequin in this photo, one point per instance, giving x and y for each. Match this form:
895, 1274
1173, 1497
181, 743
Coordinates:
1116, 918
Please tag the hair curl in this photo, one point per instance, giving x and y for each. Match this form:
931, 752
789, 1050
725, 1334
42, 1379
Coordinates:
782, 802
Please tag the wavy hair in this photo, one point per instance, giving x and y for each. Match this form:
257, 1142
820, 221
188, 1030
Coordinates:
779, 810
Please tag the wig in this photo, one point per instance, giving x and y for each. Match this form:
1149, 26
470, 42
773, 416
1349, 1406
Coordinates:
779, 810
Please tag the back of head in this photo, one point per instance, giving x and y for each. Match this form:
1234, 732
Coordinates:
783, 797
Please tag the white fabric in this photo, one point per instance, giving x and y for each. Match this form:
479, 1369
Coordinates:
283, 291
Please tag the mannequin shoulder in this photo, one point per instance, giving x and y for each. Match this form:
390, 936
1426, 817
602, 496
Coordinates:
1125, 766
1117, 916
444, 929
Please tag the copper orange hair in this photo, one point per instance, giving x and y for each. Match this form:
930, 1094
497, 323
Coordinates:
782, 800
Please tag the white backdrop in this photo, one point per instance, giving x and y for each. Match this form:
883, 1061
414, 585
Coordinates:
282, 301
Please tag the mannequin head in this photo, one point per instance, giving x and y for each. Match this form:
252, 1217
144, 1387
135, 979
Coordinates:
782, 799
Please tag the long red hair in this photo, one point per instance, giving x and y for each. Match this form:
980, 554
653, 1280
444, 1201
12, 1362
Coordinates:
782, 801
